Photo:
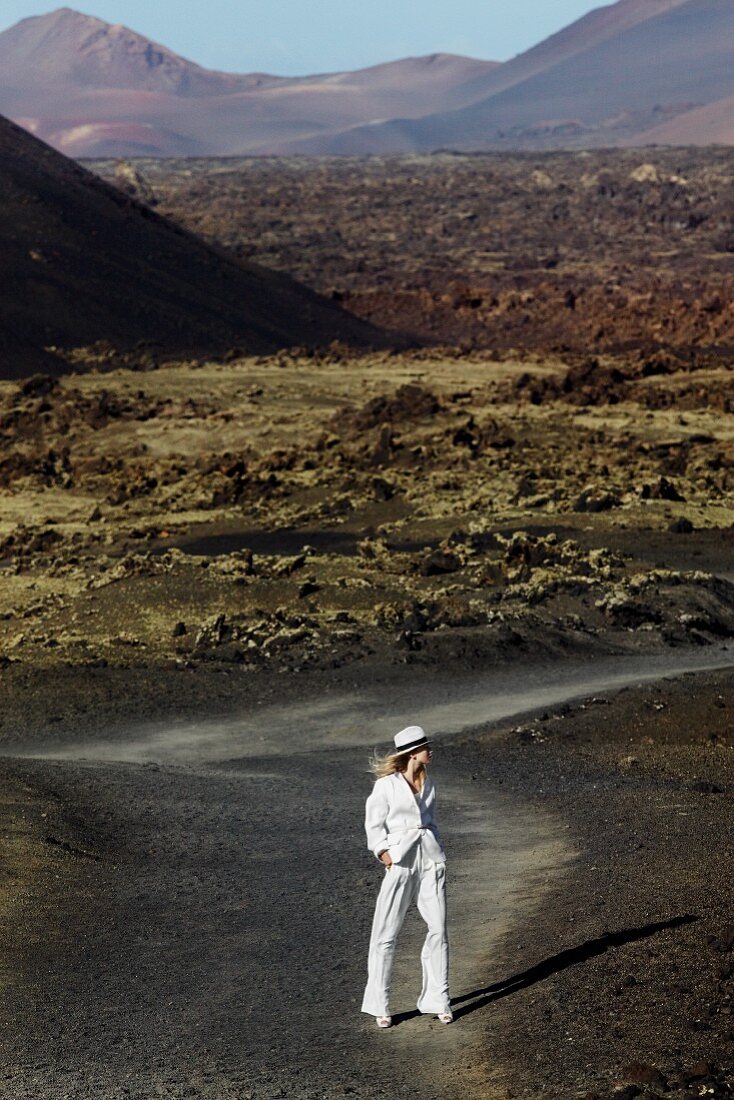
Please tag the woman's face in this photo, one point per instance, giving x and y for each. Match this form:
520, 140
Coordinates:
424, 756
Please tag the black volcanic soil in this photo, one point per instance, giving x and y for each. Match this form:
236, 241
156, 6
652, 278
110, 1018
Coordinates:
202, 541
603, 251
172, 943
635, 998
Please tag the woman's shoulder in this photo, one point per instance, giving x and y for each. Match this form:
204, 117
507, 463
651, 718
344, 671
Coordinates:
383, 786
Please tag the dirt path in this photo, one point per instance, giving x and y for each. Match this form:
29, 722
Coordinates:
217, 941
217, 947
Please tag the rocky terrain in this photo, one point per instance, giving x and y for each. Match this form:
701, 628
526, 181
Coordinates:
226, 574
605, 252
312, 512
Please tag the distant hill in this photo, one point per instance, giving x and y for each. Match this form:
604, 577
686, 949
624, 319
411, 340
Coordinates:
592, 29
92, 89
80, 262
617, 72
68, 49
623, 74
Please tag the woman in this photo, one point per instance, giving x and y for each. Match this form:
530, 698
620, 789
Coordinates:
402, 833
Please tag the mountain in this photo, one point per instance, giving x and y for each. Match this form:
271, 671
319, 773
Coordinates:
80, 262
75, 51
590, 30
92, 89
628, 72
618, 70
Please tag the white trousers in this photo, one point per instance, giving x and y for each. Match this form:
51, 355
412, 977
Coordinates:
418, 879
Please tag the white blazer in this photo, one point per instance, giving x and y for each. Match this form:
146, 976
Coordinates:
396, 819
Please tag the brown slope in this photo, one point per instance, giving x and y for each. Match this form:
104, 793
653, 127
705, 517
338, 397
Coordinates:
682, 55
585, 33
672, 60
80, 262
316, 106
91, 89
712, 124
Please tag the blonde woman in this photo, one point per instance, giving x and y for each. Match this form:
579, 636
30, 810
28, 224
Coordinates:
401, 831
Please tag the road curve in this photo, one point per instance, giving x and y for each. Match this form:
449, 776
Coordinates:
220, 950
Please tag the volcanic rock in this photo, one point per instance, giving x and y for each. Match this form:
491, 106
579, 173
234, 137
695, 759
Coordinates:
593, 499
439, 561
639, 1073
662, 489
408, 403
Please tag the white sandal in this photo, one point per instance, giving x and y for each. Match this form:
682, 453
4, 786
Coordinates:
446, 1017
383, 1021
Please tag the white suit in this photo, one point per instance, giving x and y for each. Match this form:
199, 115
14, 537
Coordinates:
403, 823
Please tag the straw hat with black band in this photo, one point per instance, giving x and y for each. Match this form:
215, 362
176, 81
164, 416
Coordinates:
410, 739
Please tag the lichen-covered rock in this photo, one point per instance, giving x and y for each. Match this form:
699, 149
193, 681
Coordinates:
131, 180
660, 489
594, 499
238, 564
213, 632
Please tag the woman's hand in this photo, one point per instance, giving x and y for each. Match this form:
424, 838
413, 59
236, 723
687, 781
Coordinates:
386, 858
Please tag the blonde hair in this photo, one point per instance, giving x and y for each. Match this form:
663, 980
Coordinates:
390, 763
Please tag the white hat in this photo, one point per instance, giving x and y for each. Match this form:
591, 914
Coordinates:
412, 737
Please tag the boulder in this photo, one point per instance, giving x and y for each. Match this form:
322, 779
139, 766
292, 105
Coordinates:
593, 499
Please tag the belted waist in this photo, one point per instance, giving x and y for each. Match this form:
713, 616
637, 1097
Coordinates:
404, 838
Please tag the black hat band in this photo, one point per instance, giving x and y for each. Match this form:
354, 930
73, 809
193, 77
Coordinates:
412, 745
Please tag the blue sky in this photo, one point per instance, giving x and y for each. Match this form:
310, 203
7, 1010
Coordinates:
292, 37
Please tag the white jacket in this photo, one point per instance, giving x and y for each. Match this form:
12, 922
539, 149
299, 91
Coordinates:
396, 818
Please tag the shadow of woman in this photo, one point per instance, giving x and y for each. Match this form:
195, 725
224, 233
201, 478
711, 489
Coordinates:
571, 956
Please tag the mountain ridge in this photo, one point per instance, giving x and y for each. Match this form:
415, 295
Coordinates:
94, 88
66, 46
619, 75
636, 67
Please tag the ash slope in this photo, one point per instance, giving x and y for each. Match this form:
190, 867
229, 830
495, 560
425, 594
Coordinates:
80, 262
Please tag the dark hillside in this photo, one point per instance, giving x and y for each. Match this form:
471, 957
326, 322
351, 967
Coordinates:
80, 262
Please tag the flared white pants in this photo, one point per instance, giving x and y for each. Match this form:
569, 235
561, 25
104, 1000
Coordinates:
418, 879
